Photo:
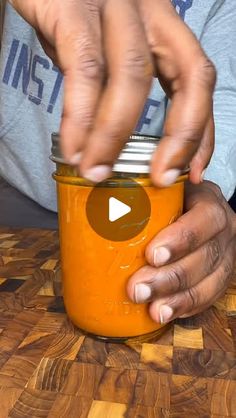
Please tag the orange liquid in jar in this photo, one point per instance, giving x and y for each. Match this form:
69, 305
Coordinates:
95, 271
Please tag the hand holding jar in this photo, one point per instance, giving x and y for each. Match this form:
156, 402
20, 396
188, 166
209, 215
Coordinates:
108, 51
190, 262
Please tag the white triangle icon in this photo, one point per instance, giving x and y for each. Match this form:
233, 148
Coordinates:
117, 209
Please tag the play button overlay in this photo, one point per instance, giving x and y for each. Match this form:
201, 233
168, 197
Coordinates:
118, 211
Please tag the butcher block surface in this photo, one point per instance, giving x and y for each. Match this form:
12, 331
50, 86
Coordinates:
50, 369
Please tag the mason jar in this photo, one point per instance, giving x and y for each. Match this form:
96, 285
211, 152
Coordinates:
104, 230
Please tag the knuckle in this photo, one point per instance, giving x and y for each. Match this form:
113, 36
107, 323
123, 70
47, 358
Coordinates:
177, 279
191, 239
188, 236
138, 65
89, 64
228, 266
213, 254
192, 298
215, 188
92, 6
217, 214
221, 217
224, 275
91, 67
189, 135
81, 116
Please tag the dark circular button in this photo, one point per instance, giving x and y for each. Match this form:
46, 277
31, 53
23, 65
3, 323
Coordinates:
118, 211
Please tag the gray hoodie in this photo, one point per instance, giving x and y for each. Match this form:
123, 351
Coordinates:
31, 91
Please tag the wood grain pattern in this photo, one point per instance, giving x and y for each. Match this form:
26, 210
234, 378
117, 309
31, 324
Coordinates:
49, 369
157, 357
83, 380
8, 398
33, 403
191, 338
189, 394
70, 406
222, 398
152, 389
205, 363
116, 385
106, 410
146, 412
121, 356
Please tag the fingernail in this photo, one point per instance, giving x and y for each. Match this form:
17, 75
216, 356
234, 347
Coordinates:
75, 159
166, 313
203, 175
142, 293
97, 173
169, 177
161, 255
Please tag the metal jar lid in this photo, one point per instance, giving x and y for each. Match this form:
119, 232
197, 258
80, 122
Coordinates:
136, 155
134, 158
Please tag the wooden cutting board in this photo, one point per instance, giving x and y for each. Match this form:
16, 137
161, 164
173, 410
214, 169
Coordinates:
50, 369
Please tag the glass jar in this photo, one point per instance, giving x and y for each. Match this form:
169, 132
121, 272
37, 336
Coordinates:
96, 266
